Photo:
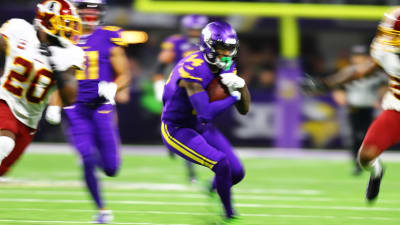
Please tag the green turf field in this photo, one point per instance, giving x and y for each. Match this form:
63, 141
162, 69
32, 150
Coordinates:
46, 189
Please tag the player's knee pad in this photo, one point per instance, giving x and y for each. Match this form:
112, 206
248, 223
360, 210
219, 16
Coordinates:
222, 167
6, 146
237, 175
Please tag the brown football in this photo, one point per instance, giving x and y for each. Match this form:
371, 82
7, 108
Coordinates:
216, 90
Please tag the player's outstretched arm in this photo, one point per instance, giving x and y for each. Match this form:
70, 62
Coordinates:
350, 73
120, 64
243, 106
205, 110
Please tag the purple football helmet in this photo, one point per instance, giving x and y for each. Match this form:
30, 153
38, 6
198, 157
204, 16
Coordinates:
219, 36
194, 22
91, 11
191, 26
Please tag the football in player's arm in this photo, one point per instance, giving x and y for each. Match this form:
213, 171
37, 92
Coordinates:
40, 58
187, 128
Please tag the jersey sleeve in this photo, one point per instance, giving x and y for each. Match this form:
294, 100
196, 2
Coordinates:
13, 30
114, 34
171, 43
190, 74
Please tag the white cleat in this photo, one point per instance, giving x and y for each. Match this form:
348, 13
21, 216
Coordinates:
103, 217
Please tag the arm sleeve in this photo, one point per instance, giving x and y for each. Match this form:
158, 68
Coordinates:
206, 111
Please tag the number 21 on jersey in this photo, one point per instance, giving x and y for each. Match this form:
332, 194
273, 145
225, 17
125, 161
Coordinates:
91, 70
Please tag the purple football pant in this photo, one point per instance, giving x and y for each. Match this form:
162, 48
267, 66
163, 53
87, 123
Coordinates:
94, 133
206, 146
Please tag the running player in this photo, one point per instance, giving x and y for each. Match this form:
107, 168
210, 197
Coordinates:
40, 58
384, 130
187, 113
92, 119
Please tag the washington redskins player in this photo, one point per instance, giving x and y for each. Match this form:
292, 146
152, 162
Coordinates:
40, 58
384, 132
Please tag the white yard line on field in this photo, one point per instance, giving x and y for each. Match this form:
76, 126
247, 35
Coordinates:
148, 186
166, 195
324, 154
175, 203
74, 222
212, 214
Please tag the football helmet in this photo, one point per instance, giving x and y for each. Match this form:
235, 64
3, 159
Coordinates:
389, 28
219, 36
60, 19
191, 26
91, 11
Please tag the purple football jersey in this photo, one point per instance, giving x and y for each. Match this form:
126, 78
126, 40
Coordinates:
180, 45
97, 47
177, 108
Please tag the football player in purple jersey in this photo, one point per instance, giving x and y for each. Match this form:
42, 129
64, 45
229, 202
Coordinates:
92, 119
187, 112
173, 49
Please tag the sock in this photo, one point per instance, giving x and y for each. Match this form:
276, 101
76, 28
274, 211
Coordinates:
91, 180
191, 171
6, 146
375, 167
223, 176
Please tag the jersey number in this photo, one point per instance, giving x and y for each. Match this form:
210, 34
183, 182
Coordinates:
91, 71
39, 86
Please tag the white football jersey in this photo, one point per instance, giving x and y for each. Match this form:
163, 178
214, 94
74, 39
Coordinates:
389, 59
28, 81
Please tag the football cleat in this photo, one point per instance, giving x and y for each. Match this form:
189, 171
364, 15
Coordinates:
231, 221
374, 186
103, 217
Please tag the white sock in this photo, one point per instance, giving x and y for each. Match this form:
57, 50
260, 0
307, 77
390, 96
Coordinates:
6, 146
375, 167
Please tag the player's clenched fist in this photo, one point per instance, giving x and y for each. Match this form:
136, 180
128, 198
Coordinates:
232, 80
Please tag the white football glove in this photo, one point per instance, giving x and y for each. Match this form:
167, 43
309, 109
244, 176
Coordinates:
53, 114
158, 87
232, 80
108, 90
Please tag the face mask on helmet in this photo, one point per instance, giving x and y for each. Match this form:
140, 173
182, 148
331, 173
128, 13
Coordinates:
59, 19
219, 44
91, 11
225, 53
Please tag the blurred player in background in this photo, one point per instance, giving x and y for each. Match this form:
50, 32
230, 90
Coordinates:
173, 49
361, 97
40, 58
187, 113
384, 131
92, 119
